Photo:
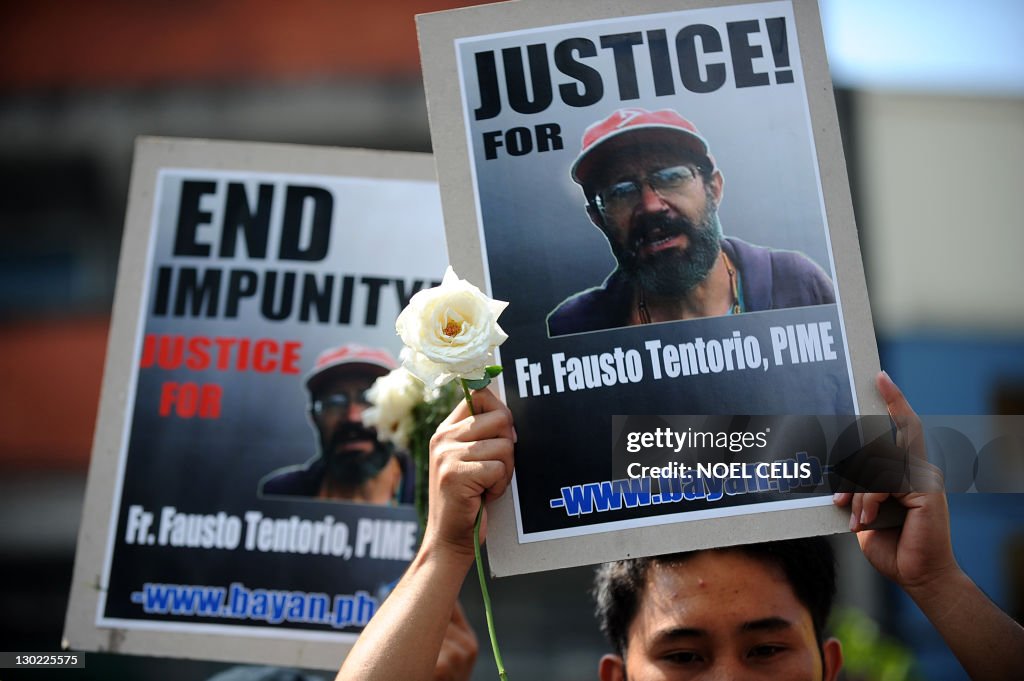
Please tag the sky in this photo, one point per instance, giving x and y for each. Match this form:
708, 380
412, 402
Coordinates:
940, 46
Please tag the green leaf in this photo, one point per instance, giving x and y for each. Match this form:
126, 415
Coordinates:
477, 384
493, 371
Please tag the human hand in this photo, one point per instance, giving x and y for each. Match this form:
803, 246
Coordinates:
920, 551
458, 651
470, 458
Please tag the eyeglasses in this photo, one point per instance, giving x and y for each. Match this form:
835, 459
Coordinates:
623, 196
339, 403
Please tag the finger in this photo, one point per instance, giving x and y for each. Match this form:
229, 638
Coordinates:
494, 451
449, 662
492, 424
469, 479
455, 639
855, 508
484, 467
890, 392
842, 498
485, 401
499, 487
459, 617
491, 410
459, 647
455, 440
908, 424
496, 490
497, 449
454, 662
459, 413
885, 469
460, 634
869, 506
446, 453
483, 475
925, 477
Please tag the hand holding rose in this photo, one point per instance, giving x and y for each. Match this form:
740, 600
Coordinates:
470, 461
451, 332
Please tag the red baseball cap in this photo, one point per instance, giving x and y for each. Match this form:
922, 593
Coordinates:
666, 124
350, 354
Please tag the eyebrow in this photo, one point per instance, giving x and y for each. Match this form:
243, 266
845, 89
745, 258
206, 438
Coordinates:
679, 633
767, 624
763, 624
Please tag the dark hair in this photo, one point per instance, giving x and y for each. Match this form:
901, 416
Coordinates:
808, 564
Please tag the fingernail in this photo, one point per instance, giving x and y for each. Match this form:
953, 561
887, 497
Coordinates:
864, 517
515, 436
836, 497
853, 522
887, 376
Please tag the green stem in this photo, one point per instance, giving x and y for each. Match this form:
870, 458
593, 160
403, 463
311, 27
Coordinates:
469, 397
420, 457
486, 596
488, 611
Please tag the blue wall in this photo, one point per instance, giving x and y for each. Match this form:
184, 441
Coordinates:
945, 374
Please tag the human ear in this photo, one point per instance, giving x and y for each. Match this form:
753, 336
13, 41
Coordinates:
717, 183
595, 216
832, 658
611, 668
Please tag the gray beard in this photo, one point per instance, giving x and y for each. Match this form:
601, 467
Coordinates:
354, 468
673, 273
351, 469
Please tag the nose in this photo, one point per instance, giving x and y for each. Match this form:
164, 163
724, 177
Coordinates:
650, 200
355, 413
731, 670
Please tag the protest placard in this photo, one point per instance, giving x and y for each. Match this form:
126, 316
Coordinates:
235, 510
659, 192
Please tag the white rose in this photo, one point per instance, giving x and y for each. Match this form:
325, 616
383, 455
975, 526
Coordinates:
451, 330
392, 398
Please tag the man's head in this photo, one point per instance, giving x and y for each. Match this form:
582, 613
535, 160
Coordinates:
756, 611
653, 189
337, 388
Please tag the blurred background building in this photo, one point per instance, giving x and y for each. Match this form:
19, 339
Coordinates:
931, 101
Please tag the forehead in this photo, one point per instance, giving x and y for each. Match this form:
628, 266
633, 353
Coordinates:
715, 592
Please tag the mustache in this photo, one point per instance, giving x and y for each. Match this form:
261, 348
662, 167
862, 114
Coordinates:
350, 432
654, 227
